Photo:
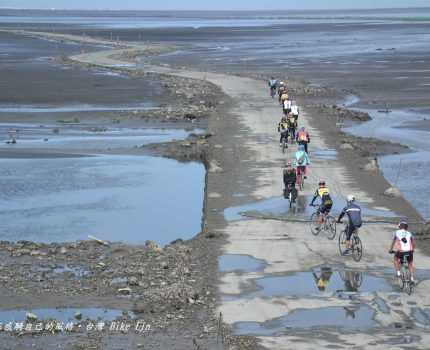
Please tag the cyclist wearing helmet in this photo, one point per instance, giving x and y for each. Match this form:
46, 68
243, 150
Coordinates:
289, 177
273, 83
403, 244
326, 201
303, 138
353, 211
292, 126
283, 130
281, 89
295, 110
301, 161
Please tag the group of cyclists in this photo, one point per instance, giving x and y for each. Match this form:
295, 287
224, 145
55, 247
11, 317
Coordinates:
403, 243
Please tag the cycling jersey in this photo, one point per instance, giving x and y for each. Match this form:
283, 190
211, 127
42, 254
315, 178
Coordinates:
287, 104
403, 240
295, 109
303, 136
282, 126
354, 215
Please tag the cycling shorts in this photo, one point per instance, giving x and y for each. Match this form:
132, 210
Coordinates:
400, 255
324, 208
350, 230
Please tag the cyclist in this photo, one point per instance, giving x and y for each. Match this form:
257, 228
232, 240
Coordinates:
273, 83
281, 89
295, 110
301, 162
353, 211
284, 97
292, 126
303, 138
403, 244
283, 130
286, 106
289, 177
326, 201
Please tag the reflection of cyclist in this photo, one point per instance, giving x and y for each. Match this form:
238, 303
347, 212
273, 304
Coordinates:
352, 281
403, 244
323, 279
353, 211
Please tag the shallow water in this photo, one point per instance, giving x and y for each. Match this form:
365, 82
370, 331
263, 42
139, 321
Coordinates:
61, 314
72, 108
78, 138
407, 171
117, 198
325, 154
279, 207
245, 263
307, 283
339, 317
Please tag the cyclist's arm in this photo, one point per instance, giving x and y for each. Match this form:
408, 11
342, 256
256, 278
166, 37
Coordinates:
341, 215
315, 197
413, 243
392, 244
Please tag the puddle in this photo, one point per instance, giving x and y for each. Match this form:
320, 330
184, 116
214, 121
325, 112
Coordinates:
81, 138
62, 314
278, 207
331, 317
231, 262
422, 316
115, 198
382, 305
319, 281
325, 154
118, 280
74, 270
71, 108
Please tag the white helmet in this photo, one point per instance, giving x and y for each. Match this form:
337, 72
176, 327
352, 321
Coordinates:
281, 83
350, 198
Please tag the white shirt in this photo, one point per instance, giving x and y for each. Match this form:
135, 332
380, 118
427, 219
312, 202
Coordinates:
295, 109
399, 235
287, 104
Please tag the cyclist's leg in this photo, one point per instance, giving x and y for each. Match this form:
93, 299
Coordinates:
396, 261
349, 230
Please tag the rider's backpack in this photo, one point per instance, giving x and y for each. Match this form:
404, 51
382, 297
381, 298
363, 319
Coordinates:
302, 136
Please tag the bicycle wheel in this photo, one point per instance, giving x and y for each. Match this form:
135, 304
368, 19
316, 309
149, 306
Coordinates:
301, 181
331, 227
315, 225
284, 146
357, 248
290, 198
342, 242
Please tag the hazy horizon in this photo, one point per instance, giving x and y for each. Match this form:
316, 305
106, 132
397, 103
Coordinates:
196, 5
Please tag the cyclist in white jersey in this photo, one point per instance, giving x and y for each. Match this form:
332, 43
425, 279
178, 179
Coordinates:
403, 244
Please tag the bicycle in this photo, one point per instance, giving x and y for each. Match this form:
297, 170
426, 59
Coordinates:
290, 193
405, 281
356, 245
301, 177
327, 225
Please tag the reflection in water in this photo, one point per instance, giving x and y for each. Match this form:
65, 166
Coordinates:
323, 279
352, 280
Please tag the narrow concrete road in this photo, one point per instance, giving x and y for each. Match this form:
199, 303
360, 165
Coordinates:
289, 247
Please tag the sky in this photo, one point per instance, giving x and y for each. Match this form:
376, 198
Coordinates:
210, 5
